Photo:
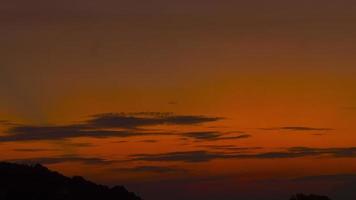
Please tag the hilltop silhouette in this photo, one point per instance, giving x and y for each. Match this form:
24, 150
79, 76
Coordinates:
36, 182
24, 182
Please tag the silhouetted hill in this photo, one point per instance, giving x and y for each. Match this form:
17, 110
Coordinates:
36, 182
308, 197
23, 182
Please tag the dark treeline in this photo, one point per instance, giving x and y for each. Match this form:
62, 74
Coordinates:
35, 182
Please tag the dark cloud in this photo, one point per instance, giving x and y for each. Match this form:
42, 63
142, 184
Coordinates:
212, 136
30, 133
153, 169
334, 152
297, 152
33, 150
121, 141
204, 135
135, 120
244, 136
103, 126
81, 144
204, 156
7, 123
197, 156
4, 121
187, 156
229, 148
298, 128
63, 159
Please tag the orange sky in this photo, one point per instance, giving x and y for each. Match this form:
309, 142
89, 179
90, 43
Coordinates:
246, 92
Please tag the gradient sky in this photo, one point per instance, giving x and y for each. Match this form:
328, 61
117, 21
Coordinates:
191, 99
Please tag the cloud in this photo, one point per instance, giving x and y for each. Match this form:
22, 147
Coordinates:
76, 144
30, 133
7, 123
4, 122
187, 156
205, 156
81, 144
103, 126
152, 169
212, 135
298, 128
229, 148
135, 120
334, 152
33, 150
62, 159
205, 135
243, 136
121, 141
297, 152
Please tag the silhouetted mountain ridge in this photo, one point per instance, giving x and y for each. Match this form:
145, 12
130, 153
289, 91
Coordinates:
36, 182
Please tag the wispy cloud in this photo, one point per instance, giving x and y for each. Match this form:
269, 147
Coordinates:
213, 136
4, 121
204, 156
33, 150
150, 169
103, 126
229, 148
81, 144
31, 133
186, 156
135, 120
297, 128
63, 159
7, 123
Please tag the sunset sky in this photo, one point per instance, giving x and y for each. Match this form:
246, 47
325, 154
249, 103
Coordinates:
183, 99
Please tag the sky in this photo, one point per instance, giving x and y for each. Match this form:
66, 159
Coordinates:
183, 99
